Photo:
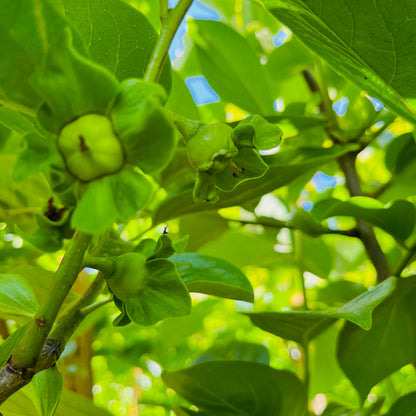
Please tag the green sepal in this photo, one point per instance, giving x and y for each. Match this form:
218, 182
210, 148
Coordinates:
71, 85
146, 131
258, 132
248, 165
112, 198
122, 319
38, 155
164, 296
61, 183
164, 248
49, 234
204, 188
146, 246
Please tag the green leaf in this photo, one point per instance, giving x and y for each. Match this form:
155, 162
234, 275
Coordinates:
404, 406
112, 198
289, 60
231, 66
19, 201
181, 411
213, 276
40, 280
398, 219
360, 309
16, 296
47, 386
335, 409
71, 85
144, 128
27, 28
7, 347
236, 350
304, 221
180, 100
38, 156
339, 291
71, 404
16, 121
315, 256
400, 153
303, 326
297, 326
118, 36
284, 167
387, 346
164, 296
239, 388
372, 52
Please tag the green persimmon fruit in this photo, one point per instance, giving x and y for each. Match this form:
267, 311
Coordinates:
211, 147
129, 276
90, 147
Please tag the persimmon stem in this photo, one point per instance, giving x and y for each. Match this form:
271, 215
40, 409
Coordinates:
29, 348
35, 351
170, 24
163, 9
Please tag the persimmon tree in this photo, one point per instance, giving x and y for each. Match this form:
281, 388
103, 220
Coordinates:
252, 254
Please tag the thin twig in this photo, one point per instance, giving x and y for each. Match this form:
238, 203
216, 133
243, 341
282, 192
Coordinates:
278, 224
365, 231
170, 25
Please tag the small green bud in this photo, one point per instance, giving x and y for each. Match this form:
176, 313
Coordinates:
211, 147
129, 276
90, 147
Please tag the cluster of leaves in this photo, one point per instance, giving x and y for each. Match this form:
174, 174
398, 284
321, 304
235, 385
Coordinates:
87, 144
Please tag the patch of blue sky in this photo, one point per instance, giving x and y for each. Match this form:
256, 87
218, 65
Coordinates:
385, 138
333, 223
378, 105
281, 37
307, 205
321, 182
201, 91
340, 106
196, 11
279, 104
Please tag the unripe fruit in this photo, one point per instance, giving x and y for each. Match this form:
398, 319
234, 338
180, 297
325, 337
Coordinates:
129, 276
211, 147
90, 147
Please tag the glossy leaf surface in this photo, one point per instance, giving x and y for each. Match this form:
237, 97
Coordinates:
398, 219
387, 346
117, 35
365, 41
239, 388
231, 66
16, 296
213, 276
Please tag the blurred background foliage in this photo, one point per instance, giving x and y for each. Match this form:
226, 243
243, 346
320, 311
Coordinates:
120, 367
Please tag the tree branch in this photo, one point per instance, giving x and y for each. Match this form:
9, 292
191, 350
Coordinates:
365, 231
347, 164
273, 223
34, 352
170, 24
